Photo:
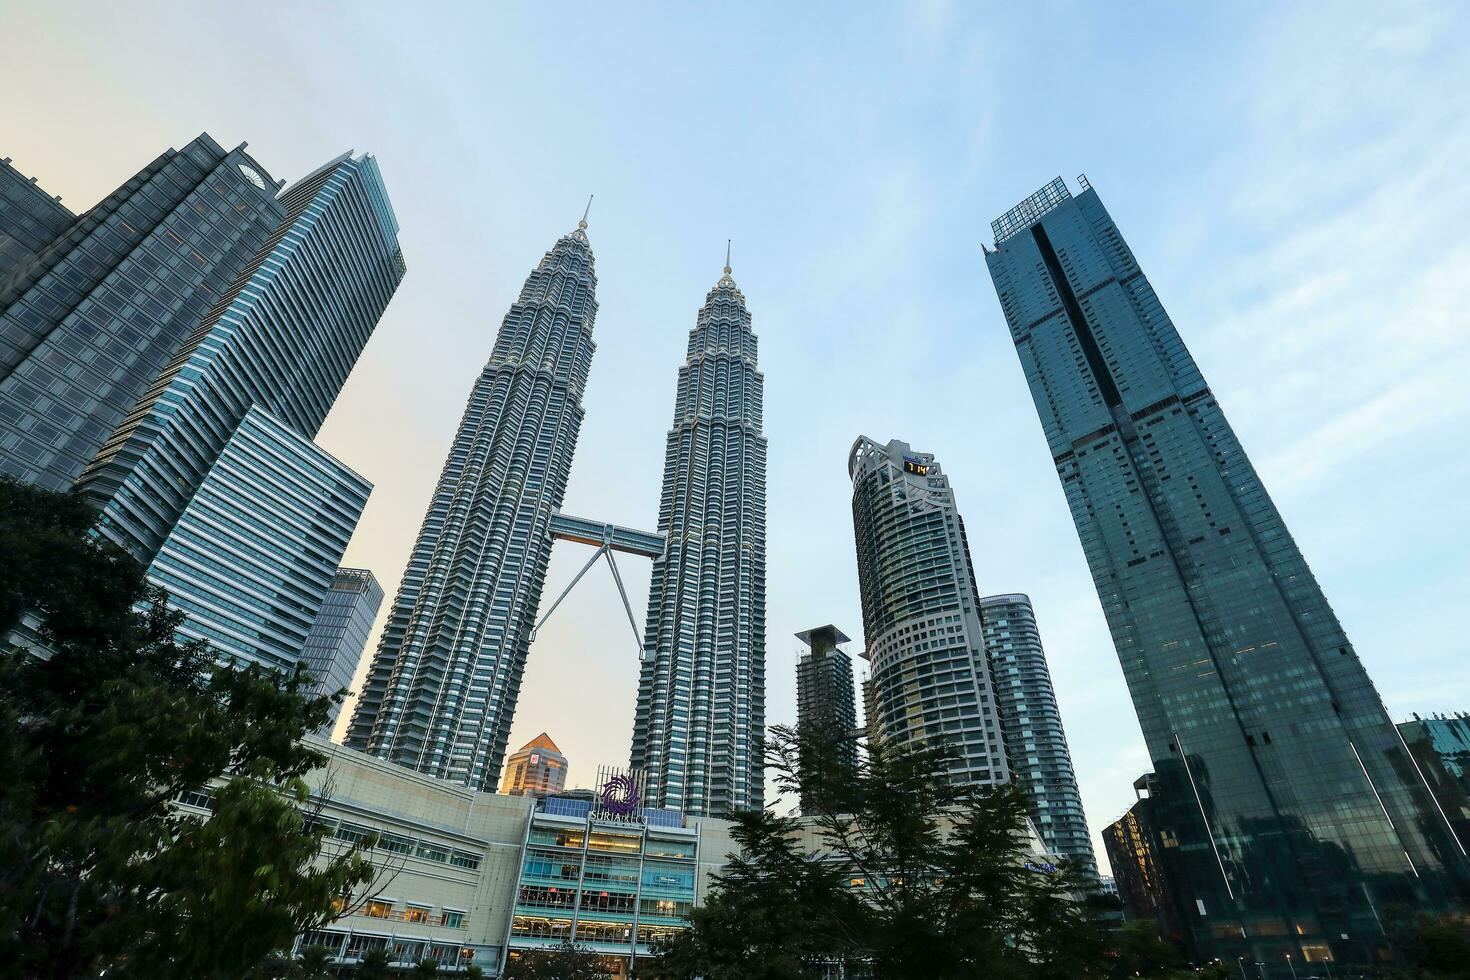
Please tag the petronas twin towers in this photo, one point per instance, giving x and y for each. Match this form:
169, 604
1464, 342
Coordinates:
442, 688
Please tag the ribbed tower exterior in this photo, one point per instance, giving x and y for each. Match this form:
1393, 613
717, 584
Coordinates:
442, 688
702, 691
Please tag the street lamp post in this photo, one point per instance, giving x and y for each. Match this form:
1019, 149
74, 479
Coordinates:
1291, 966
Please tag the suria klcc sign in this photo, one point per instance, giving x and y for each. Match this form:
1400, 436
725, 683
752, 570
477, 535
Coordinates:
619, 795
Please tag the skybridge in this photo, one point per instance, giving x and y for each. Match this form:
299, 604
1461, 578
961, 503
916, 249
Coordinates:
607, 539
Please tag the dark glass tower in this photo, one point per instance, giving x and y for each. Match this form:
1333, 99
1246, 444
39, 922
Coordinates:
88, 320
442, 688
1036, 745
824, 694
1280, 774
30, 219
702, 690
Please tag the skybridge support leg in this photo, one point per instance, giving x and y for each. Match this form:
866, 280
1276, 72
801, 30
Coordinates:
567, 591
613, 564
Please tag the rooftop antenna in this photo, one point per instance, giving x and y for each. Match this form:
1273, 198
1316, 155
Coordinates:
586, 211
727, 256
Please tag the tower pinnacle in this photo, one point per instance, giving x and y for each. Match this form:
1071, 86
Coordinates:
586, 211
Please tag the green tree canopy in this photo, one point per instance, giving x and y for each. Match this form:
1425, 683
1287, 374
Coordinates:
98, 870
893, 872
563, 962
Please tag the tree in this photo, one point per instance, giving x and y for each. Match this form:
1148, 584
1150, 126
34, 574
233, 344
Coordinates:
315, 963
425, 969
563, 962
1138, 950
99, 870
910, 875
374, 964
1429, 947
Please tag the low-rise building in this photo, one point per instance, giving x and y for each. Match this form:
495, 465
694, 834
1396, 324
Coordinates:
465, 877
475, 879
535, 769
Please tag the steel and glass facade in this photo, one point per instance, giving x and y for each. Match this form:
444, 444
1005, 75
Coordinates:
1280, 774
256, 548
1141, 858
1440, 751
282, 340
87, 322
702, 688
614, 886
252, 564
1036, 745
442, 688
929, 674
30, 219
339, 634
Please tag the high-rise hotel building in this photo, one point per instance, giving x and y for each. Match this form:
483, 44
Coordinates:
701, 695
1036, 745
442, 687
929, 680
88, 318
1298, 815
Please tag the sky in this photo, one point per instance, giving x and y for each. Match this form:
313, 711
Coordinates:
1291, 177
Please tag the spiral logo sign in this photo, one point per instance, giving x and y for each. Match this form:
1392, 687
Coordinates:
620, 795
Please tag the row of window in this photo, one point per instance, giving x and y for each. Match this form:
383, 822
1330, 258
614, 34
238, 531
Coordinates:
384, 908
353, 833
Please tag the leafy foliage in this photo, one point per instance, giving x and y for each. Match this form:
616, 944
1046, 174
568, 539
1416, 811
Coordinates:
98, 870
374, 964
894, 872
1432, 947
564, 962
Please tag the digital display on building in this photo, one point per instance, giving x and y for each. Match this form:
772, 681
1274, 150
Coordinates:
911, 465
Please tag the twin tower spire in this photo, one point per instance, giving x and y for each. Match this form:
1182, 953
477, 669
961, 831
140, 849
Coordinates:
441, 691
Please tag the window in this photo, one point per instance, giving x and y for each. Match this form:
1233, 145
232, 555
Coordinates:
416, 913
452, 920
378, 909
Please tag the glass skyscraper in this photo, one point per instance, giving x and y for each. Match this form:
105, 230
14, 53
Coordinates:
930, 680
212, 480
89, 319
1036, 745
339, 634
441, 691
252, 555
701, 713
1280, 775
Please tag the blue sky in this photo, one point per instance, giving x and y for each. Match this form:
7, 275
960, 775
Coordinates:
1291, 176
